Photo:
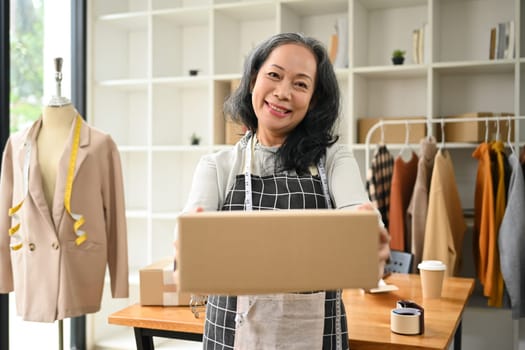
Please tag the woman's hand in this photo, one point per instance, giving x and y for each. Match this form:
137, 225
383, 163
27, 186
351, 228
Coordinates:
384, 241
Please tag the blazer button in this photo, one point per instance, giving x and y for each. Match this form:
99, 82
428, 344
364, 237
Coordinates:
32, 246
55, 245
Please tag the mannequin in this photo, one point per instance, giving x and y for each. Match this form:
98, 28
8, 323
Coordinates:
53, 135
57, 118
62, 216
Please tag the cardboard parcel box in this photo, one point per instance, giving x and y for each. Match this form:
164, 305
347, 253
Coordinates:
259, 252
157, 285
392, 133
475, 132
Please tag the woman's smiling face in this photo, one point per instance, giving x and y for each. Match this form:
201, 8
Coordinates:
282, 92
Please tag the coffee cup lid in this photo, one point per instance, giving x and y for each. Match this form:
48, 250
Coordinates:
433, 265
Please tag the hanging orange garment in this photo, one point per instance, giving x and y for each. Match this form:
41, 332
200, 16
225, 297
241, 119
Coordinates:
402, 186
483, 210
493, 288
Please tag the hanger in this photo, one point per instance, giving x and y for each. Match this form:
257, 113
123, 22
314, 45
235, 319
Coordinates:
429, 130
486, 130
497, 129
442, 145
381, 126
509, 125
406, 152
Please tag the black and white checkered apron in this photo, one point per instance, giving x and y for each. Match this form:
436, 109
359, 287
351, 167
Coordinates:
273, 192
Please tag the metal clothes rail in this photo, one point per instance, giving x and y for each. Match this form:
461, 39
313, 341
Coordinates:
442, 121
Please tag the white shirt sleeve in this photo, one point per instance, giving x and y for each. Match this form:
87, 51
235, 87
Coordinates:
344, 178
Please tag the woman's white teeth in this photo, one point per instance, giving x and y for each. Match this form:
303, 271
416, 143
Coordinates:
277, 109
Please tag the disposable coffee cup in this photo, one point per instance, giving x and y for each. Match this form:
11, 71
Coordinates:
432, 273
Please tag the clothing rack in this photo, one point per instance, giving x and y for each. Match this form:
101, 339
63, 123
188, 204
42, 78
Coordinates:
496, 118
442, 121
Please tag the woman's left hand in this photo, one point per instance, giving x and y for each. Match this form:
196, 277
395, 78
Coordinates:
384, 241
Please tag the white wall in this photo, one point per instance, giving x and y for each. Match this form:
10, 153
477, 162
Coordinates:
57, 43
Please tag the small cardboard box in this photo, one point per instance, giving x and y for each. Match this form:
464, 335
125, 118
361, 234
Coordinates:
259, 252
474, 132
392, 133
157, 285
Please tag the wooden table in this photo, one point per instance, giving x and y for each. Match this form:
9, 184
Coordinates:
368, 317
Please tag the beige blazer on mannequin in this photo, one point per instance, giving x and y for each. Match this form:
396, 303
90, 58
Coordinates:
52, 277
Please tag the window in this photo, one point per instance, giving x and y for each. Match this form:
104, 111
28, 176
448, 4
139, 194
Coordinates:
39, 32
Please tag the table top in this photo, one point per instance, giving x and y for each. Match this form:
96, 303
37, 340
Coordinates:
368, 315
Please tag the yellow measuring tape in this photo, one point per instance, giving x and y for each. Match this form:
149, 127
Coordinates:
79, 219
17, 241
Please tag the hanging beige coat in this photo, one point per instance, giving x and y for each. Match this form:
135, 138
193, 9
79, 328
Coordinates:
53, 277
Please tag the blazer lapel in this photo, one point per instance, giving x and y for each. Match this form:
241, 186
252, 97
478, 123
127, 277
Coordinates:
35, 189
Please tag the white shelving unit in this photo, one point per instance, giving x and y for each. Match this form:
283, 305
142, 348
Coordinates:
140, 91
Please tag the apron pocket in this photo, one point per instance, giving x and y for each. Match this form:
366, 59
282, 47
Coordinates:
280, 321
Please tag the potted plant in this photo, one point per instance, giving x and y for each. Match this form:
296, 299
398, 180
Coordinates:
398, 57
195, 140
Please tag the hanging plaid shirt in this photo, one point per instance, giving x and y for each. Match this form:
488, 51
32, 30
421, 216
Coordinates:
379, 179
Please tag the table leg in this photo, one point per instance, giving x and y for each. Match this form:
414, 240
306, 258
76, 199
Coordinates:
457, 337
144, 341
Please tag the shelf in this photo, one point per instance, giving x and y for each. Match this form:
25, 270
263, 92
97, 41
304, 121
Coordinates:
463, 28
184, 81
315, 7
475, 67
388, 4
380, 27
184, 16
127, 21
126, 84
142, 94
130, 149
186, 47
237, 29
179, 4
248, 10
390, 72
117, 7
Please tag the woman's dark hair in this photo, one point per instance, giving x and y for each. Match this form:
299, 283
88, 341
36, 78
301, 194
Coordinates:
307, 143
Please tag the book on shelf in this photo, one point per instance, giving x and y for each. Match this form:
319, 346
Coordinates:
511, 40
415, 43
332, 47
420, 47
502, 41
341, 57
492, 46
